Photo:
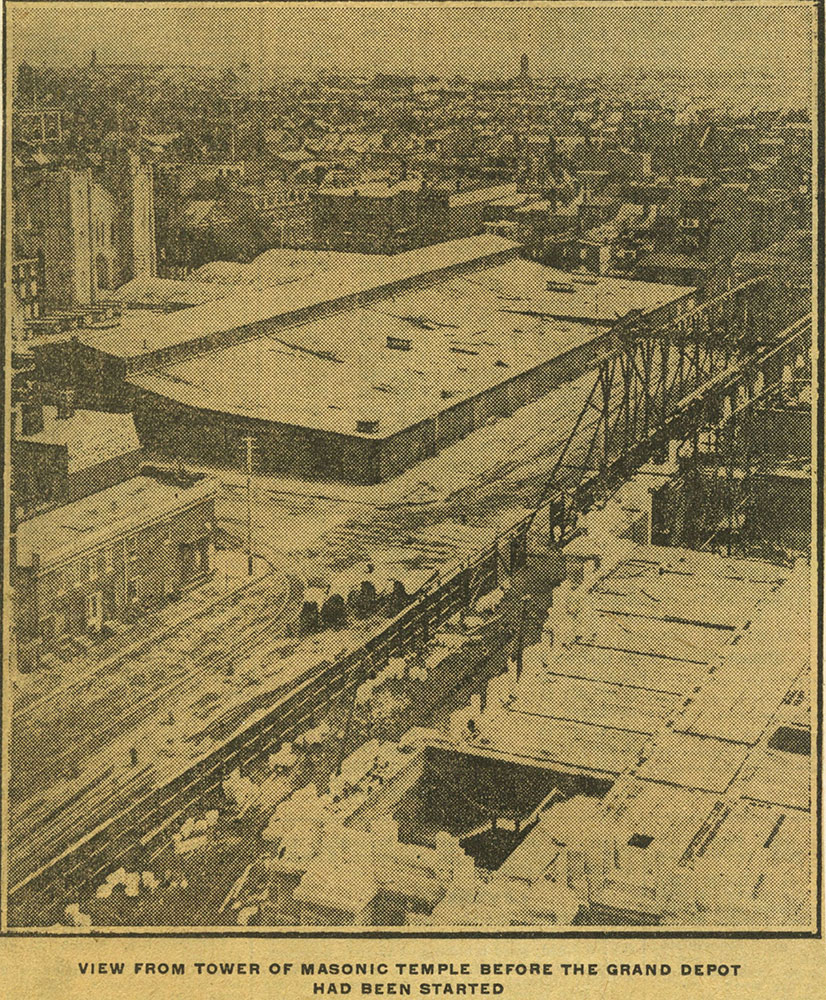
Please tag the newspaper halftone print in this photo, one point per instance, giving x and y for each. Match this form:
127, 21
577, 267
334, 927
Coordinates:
411, 465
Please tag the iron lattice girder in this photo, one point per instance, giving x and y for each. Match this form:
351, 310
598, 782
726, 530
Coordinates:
655, 361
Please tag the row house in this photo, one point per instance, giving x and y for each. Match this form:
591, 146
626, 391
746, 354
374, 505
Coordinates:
82, 570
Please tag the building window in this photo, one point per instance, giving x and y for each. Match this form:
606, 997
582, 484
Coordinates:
132, 548
60, 582
108, 560
133, 590
93, 567
167, 534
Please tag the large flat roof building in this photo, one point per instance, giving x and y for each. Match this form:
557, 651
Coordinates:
359, 370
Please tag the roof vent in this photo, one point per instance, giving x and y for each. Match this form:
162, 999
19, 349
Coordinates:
400, 343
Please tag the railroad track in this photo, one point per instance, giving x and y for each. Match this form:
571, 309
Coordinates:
46, 825
35, 894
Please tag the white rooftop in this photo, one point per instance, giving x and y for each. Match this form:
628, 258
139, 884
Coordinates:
87, 524
91, 436
255, 305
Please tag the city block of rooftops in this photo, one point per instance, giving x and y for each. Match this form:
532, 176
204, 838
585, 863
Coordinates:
224, 167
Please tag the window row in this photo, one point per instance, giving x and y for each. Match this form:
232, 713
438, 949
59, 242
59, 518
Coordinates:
100, 232
99, 564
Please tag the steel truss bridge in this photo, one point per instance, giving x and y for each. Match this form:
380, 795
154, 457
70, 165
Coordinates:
671, 376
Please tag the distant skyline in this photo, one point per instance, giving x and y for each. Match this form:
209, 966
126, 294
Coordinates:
485, 40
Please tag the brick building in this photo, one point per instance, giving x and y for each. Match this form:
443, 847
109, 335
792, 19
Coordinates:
38, 126
94, 541
82, 568
27, 277
392, 216
379, 217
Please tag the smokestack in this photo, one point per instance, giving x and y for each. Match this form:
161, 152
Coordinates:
66, 405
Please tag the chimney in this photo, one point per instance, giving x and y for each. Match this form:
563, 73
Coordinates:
31, 417
65, 405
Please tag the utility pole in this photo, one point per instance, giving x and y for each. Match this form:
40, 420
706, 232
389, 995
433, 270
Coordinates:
250, 441
520, 638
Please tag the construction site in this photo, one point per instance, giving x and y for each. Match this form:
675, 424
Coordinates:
571, 687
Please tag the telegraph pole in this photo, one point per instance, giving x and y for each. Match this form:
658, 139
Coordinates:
250, 441
520, 638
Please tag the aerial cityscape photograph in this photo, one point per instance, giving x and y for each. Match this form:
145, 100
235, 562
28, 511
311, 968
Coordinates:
410, 467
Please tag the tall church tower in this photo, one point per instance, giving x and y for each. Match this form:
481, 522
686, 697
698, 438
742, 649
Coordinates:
131, 184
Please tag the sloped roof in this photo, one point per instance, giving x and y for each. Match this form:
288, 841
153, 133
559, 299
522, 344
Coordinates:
91, 436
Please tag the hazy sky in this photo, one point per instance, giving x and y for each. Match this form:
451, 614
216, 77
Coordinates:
475, 40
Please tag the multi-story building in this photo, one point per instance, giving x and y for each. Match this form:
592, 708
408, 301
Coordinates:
38, 126
84, 567
60, 454
27, 282
93, 539
396, 215
94, 230
379, 217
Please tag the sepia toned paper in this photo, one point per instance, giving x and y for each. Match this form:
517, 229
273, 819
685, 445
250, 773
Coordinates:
411, 519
